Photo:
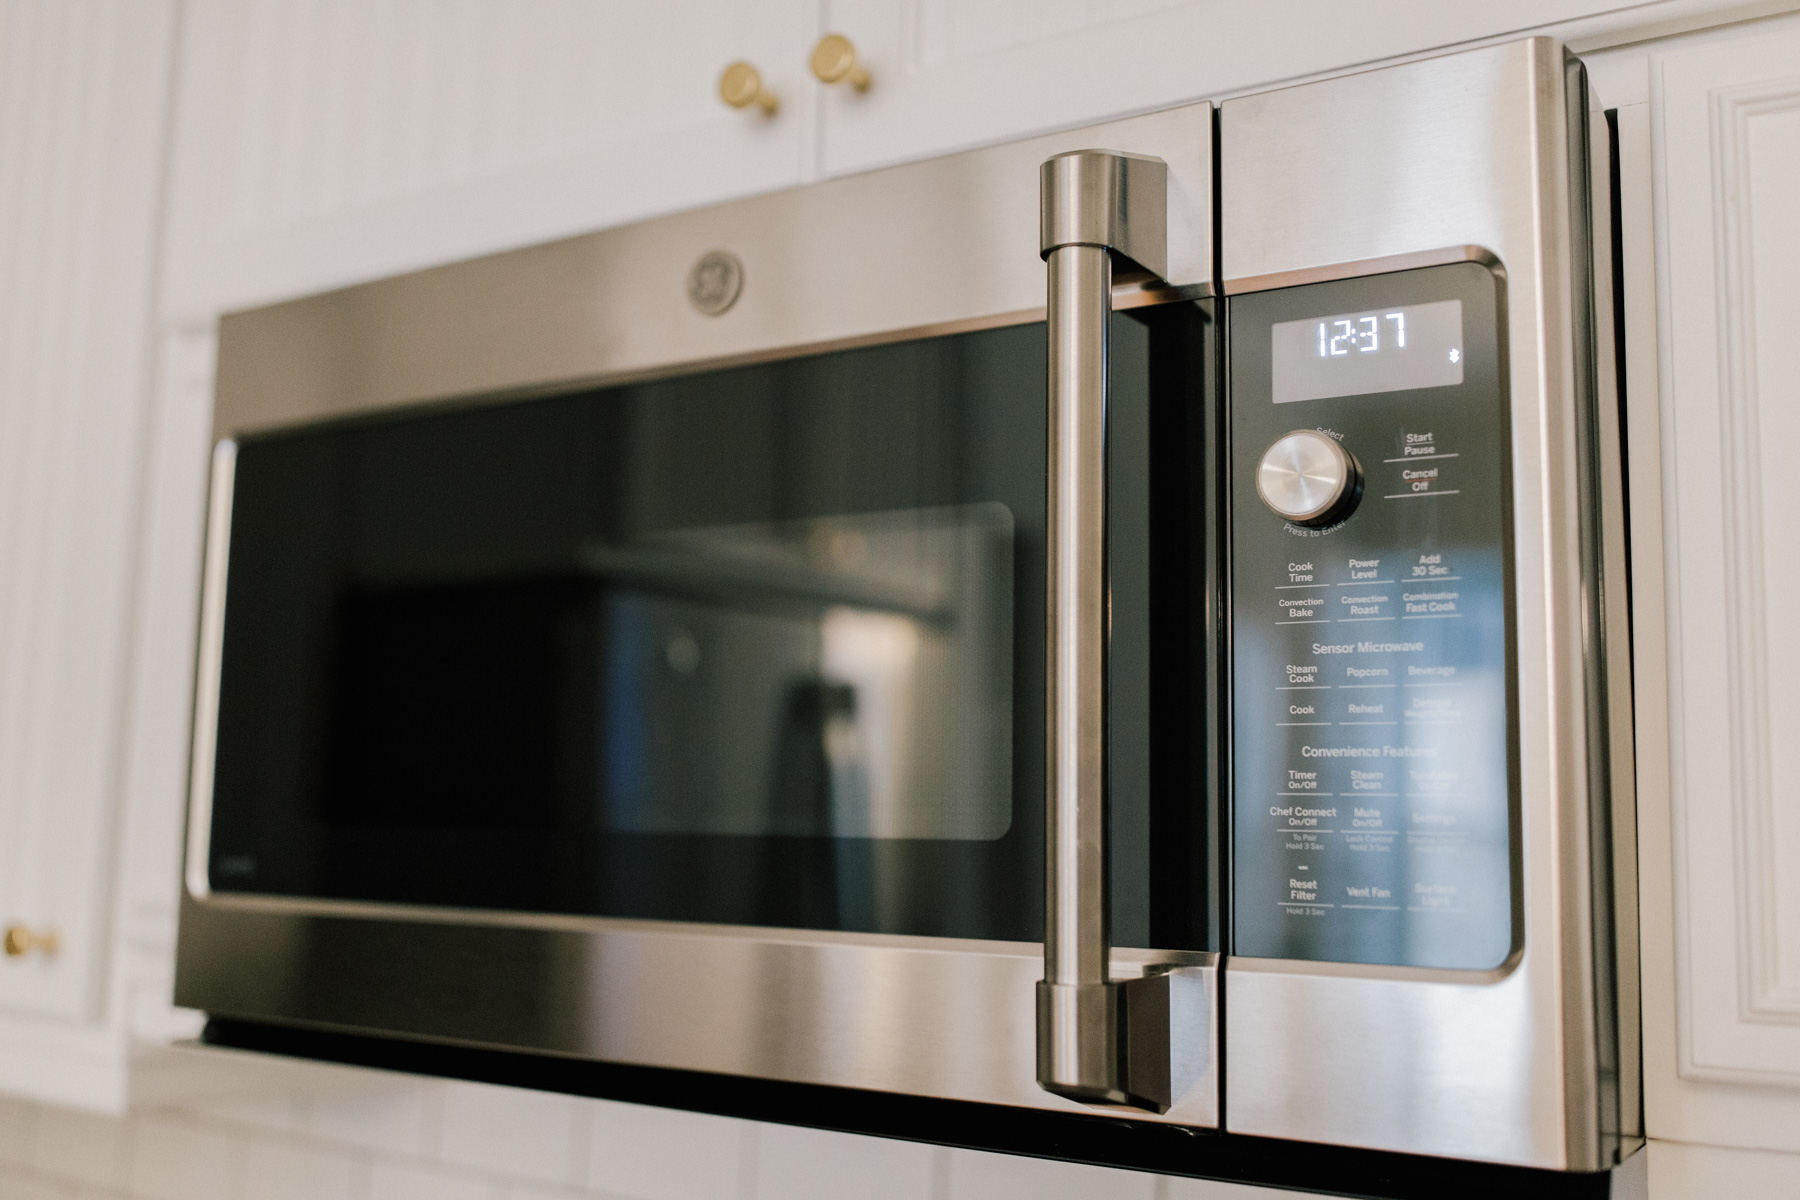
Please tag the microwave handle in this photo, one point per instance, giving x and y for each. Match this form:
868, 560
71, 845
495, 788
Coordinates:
1098, 209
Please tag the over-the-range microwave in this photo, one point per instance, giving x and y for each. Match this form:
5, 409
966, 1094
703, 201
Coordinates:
1112, 646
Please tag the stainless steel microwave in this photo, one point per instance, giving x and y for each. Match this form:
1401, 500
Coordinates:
1112, 646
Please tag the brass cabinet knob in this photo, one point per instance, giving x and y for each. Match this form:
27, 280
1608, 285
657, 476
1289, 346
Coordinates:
19, 940
834, 61
741, 86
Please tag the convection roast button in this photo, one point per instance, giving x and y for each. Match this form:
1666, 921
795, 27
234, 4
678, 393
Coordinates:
1307, 478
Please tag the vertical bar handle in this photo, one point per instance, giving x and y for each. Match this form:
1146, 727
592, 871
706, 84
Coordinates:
1097, 207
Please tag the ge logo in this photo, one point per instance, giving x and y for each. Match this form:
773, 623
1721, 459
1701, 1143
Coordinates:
715, 281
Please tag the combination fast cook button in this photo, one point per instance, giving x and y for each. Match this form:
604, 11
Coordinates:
1426, 605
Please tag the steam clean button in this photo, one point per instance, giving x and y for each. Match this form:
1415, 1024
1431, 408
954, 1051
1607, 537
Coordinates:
1307, 478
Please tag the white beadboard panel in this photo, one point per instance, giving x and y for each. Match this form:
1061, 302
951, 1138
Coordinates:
816, 1164
321, 142
665, 1154
82, 94
1728, 179
1685, 1172
953, 73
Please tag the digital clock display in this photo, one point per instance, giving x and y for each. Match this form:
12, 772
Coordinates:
1362, 353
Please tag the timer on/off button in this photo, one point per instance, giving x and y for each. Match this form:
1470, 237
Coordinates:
1307, 478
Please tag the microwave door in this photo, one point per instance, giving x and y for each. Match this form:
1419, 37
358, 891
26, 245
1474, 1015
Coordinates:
708, 713
668, 690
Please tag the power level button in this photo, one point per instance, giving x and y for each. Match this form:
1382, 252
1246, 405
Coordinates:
1307, 478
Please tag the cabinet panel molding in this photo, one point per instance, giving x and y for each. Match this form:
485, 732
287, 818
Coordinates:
83, 88
1728, 177
1756, 142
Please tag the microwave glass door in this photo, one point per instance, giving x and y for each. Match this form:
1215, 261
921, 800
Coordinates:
758, 646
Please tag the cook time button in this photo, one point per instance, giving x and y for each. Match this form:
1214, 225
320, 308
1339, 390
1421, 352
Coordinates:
1300, 596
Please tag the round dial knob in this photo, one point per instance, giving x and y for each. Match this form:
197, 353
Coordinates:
1307, 478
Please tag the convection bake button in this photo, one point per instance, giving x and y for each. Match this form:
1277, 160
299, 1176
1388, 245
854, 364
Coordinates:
1307, 478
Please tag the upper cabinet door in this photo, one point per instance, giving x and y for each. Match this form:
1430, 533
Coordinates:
1725, 113
946, 74
81, 119
334, 141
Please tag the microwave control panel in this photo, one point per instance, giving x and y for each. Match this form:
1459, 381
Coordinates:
1373, 736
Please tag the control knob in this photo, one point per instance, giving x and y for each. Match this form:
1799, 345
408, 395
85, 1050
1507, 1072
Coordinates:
1307, 478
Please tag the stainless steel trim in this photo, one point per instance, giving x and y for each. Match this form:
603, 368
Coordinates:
1095, 204
1326, 272
206, 675
925, 246
1466, 150
1075, 929
426, 914
1109, 199
922, 1016
1288, 966
1128, 294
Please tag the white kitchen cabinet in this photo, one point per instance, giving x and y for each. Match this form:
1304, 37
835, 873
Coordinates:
83, 90
953, 73
327, 142
1720, 135
80, 146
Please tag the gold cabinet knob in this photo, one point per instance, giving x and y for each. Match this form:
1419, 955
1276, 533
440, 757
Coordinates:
19, 940
741, 86
834, 61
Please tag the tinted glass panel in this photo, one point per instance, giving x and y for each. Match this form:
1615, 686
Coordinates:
760, 646
1375, 748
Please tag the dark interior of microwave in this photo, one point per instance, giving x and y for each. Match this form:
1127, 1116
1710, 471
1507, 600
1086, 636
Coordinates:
760, 646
